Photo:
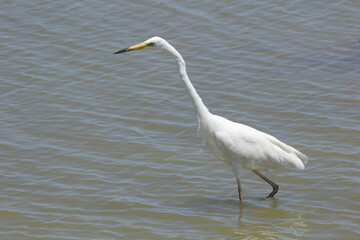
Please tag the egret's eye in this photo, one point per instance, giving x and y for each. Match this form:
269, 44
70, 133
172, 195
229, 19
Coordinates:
151, 44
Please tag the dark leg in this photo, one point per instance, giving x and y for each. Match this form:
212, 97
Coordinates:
240, 192
274, 185
236, 167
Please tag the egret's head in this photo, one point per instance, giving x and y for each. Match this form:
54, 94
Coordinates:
154, 41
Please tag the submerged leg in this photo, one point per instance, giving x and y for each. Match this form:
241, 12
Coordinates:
236, 167
274, 185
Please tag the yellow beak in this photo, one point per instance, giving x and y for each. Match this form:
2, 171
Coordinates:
135, 47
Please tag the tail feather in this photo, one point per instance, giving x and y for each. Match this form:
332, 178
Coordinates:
292, 155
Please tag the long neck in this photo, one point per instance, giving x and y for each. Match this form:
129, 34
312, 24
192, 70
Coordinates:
198, 104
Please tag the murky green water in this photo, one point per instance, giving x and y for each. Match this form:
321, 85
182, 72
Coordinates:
99, 146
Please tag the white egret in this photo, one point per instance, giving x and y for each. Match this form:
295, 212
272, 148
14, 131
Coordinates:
236, 144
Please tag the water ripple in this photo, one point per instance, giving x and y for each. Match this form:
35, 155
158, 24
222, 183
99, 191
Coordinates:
100, 146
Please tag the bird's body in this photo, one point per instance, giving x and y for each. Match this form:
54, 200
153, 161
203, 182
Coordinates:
236, 144
255, 150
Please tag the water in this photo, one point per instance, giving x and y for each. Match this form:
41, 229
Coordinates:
102, 146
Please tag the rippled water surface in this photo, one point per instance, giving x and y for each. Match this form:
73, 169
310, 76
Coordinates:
101, 146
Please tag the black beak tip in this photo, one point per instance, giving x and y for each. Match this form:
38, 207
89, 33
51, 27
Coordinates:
121, 51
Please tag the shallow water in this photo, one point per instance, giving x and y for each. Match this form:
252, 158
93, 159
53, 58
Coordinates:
102, 146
